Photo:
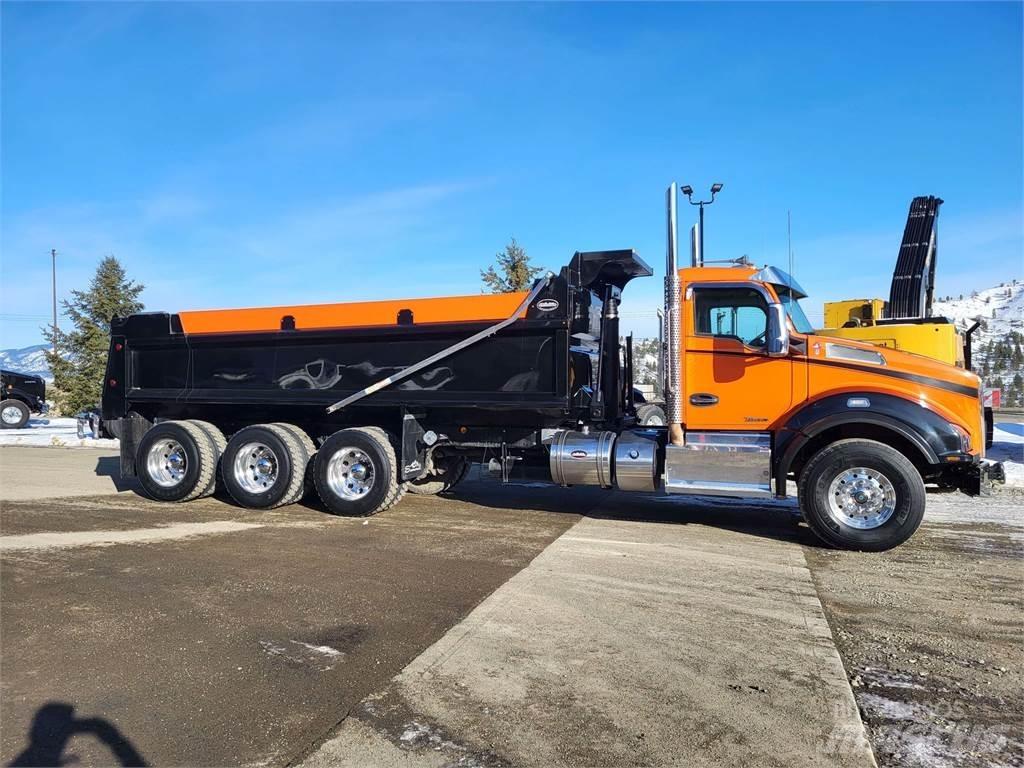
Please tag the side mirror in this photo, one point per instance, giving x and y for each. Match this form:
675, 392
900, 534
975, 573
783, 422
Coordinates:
778, 331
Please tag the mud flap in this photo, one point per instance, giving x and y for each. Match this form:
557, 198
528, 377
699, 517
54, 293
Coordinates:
129, 431
414, 450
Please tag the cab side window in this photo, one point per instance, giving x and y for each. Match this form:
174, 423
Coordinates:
740, 314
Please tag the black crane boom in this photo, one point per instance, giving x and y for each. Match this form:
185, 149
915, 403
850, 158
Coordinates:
913, 280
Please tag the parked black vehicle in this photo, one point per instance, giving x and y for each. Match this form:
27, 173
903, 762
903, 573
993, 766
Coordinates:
23, 395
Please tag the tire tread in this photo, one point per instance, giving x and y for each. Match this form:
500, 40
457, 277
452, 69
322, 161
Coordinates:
219, 444
206, 480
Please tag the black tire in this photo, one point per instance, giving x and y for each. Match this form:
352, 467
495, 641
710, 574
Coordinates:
270, 447
331, 473
651, 415
450, 473
16, 411
309, 447
197, 476
219, 444
837, 463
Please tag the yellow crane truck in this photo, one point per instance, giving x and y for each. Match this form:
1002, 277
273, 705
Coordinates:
905, 322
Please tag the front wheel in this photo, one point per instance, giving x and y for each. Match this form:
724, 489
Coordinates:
13, 414
861, 495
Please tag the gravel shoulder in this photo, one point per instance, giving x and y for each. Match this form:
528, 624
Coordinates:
931, 635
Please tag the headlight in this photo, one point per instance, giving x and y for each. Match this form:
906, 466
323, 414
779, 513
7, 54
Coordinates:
965, 438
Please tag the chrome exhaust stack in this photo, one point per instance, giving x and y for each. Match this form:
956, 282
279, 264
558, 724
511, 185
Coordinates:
673, 326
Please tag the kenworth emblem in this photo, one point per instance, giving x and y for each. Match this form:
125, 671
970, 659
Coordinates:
547, 305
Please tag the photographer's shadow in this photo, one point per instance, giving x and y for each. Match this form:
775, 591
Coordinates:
55, 724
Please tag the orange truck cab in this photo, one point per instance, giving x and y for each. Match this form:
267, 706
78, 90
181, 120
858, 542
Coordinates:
816, 390
371, 400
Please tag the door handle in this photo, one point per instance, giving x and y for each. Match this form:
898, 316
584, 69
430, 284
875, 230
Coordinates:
703, 398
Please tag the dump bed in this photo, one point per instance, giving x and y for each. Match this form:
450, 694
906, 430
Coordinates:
293, 362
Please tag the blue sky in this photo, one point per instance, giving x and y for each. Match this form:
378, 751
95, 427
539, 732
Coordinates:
247, 154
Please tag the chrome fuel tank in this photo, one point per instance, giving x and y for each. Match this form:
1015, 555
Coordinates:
582, 458
636, 462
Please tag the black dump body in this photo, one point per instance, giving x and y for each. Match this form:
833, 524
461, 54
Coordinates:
25, 387
559, 365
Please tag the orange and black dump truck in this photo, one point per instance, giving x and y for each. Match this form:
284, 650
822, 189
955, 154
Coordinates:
366, 401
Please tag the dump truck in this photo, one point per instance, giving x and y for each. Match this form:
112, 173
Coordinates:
366, 401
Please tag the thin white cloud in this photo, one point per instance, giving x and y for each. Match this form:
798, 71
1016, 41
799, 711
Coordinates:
176, 245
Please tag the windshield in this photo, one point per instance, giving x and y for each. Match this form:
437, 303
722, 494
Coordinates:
794, 310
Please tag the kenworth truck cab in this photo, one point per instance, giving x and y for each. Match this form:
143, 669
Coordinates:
366, 401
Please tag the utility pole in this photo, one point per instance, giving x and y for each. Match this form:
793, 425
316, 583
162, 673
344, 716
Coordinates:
53, 257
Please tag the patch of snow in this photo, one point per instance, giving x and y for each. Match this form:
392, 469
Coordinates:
414, 732
1008, 447
324, 650
880, 707
884, 678
305, 654
272, 650
54, 433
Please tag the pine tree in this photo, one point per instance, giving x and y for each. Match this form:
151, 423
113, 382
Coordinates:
514, 271
1016, 396
79, 363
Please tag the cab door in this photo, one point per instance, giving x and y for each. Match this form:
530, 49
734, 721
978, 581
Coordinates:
729, 381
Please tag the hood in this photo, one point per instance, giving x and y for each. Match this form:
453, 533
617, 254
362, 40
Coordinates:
895, 360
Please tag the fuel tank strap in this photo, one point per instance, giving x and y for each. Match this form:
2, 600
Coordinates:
447, 352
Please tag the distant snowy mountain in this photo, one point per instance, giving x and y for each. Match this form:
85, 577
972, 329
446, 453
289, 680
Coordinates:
1001, 310
27, 360
998, 343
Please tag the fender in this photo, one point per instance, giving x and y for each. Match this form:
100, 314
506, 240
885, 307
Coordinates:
929, 432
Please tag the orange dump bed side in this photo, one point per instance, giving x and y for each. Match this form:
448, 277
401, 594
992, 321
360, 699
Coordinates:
447, 309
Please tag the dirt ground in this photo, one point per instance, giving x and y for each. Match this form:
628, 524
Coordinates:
932, 637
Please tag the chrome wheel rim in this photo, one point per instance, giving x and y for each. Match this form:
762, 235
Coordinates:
256, 468
350, 473
167, 463
861, 498
11, 415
